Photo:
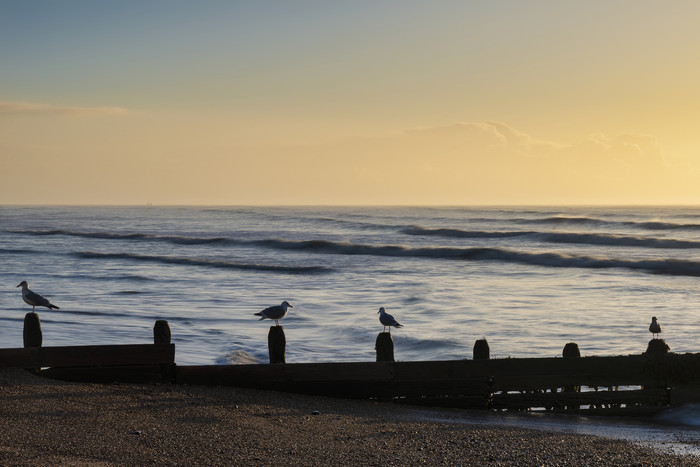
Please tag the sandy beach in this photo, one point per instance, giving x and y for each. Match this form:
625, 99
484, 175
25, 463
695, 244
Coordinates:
46, 422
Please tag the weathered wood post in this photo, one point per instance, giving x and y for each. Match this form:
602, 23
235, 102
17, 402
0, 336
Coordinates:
162, 335
161, 332
657, 348
482, 350
656, 353
32, 330
571, 350
384, 347
276, 343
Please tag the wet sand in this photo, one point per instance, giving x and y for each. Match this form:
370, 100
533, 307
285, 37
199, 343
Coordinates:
44, 422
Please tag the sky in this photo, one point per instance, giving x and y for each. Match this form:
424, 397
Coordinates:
369, 102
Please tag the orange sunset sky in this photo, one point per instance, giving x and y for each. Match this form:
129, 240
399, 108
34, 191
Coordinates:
364, 102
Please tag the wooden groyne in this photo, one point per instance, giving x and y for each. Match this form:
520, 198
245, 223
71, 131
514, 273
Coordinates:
629, 384
634, 383
138, 363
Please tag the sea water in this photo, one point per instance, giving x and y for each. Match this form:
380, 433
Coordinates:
529, 280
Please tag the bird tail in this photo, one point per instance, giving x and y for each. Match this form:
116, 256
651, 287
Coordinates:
397, 325
259, 314
53, 306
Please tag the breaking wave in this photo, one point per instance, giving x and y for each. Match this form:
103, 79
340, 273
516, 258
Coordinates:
203, 262
548, 237
175, 239
547, 259
559, 237
648, 225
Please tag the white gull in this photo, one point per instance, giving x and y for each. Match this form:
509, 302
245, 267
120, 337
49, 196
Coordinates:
654, 327
387, 320
34, 299
276, 312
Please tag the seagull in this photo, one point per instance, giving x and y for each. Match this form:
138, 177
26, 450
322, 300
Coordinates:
275, 312
654, 327
387, 320
34, 299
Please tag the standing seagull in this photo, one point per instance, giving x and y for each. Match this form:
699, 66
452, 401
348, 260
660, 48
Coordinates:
654, 327
387, 320
276, 312
34, 299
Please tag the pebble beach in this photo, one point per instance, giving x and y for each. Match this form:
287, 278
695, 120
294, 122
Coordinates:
46, 422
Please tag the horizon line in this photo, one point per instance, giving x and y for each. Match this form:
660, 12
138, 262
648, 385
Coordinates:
302, 205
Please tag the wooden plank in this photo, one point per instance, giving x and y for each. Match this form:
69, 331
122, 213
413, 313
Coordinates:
20, 358
350, 371
457, 379
88, 355
102, 355
465, 402
375, 379
529, 383
455, 387
506, 374
554, 399
110, 374
238, 375
436, 371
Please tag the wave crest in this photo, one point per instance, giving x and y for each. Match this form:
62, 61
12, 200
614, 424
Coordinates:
647, 225
547, 259
560, 237
204, 262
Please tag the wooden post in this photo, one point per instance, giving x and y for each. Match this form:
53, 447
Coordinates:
571, 350
162, 335
385, 347
277, 343
657, 348
482, 350
32, 330
161, 332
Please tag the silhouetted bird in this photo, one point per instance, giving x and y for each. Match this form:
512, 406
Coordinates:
34, 299
387, 320
276, 312
654, 327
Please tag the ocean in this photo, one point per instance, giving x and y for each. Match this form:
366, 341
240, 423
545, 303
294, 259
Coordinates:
529, 280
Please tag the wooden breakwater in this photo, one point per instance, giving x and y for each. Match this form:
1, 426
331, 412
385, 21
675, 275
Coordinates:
617, 384
94, 363
97, 363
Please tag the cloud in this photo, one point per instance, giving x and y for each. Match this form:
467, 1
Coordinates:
480, 140
628, 150
483, 136
29, 109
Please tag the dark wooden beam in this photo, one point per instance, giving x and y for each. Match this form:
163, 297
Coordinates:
88, 355
110, 374
558, 399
